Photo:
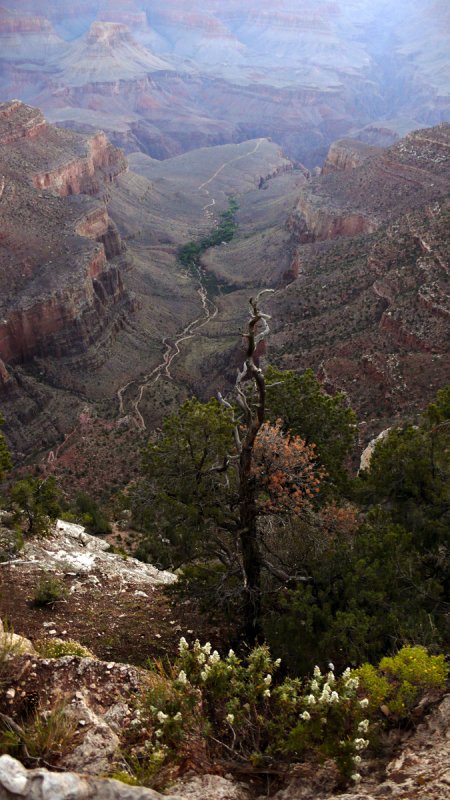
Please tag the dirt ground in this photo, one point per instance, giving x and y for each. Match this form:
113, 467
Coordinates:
116, 623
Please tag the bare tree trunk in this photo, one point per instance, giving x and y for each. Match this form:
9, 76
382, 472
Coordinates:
251, 555
248, 511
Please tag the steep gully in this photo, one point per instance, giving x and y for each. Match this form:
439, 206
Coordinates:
172, 349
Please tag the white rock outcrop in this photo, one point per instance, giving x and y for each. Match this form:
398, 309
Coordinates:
18, 783
69, 549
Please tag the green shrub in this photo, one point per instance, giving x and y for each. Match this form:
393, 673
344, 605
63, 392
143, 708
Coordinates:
48, 591
92, 516
374, 685
402, 680
57, 648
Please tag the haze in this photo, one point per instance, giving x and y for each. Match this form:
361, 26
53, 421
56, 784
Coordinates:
164, 78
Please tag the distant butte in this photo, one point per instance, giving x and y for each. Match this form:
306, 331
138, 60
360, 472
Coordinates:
165, 78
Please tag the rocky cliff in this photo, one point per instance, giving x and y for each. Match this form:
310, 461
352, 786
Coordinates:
347, 154
369, 308
24, 36
61, 284
376, 185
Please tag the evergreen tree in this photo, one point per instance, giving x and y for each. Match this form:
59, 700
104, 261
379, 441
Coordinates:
5, 456
317, 417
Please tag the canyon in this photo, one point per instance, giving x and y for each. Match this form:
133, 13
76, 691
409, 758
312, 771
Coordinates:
165, 80
103, 331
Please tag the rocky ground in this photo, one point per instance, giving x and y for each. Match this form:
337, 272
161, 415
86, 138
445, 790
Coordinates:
112, 604
115, 606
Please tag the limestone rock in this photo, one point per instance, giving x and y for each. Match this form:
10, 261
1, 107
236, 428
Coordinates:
71, 550
99, 747
17, 783
210, 787
14, 645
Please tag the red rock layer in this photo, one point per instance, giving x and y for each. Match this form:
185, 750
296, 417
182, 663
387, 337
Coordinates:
60, 254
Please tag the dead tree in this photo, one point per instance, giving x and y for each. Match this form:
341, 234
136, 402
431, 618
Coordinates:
245, 433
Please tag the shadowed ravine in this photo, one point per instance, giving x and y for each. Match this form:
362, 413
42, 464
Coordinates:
171, 352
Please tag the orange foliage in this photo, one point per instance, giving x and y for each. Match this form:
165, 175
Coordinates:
285, 469
338, 522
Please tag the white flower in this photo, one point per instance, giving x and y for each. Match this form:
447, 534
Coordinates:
363, 726
306, 715
357, 759
207, 648
201, 658
182, 677
317, 673
334, 697
231, 653
356, 777
266, 693
158, 733
352, 683
325, 697
364, 702
311, 700
183, 645
330, 677
178, 716
314, 686
214, 658
204, 675
161, 716
360, 744
277, 662
346, 673
268, 680
331, 666
230, 718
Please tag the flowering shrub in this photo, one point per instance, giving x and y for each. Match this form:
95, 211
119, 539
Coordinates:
242, 707
323, 716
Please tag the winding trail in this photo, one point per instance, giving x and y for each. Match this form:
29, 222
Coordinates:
227, 164
172, 349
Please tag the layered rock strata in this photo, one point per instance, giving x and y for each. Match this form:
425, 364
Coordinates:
369, 307
376, 184
61, 284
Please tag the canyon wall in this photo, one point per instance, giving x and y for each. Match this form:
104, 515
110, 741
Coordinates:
61, 284
368, 306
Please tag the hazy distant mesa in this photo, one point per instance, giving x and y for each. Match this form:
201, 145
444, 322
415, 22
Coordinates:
166, 78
